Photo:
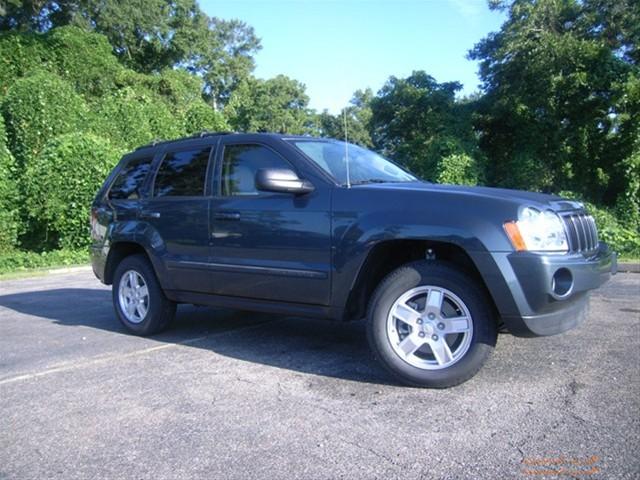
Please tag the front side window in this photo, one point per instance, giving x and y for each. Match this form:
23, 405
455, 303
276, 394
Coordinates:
182, 174
240, 165
364, 166
129, 181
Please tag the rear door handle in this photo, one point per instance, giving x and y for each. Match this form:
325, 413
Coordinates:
227, 215
149, 214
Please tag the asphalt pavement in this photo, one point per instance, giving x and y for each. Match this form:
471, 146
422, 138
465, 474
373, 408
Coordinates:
236, 395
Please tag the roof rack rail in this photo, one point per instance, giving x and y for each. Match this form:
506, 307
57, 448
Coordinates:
202, 134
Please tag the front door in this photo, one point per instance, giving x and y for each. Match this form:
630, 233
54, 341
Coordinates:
271, 246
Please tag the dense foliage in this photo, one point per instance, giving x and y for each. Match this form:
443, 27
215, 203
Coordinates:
26, 260
60, 183
418, 122
69, 110
9, 197
275, 105
83, 81
151, 35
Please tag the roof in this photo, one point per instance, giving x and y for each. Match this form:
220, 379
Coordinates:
196, 136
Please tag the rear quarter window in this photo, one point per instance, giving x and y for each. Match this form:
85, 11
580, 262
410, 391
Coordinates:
128, 182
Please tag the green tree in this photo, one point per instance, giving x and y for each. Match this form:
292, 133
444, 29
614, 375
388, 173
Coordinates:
418, 122
558, 113
458, 169
200, 117
278, 104
358, 117
225, 59
152, 35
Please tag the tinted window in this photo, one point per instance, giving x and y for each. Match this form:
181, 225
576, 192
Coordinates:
130, 178
240, 165
182, 173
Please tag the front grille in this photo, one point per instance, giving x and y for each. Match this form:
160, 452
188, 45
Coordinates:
582, 233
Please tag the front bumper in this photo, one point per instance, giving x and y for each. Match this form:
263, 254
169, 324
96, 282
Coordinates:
551, 292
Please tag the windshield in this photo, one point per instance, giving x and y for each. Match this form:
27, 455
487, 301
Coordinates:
365, 166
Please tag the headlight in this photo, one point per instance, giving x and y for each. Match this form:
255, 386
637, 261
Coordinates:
537, 231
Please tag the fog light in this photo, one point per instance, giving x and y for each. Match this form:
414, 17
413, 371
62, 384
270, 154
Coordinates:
562, 282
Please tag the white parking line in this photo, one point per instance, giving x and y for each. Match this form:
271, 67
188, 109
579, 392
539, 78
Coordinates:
103, 359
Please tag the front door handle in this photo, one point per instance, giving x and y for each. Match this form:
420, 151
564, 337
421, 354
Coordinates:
149, 214
227, 215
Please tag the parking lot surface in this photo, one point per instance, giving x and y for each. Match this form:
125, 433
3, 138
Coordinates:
235, 395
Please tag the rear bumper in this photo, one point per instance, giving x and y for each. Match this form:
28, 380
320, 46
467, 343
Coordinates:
551, 292
98, 261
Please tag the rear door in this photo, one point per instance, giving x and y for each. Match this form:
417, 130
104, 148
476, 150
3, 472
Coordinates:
271, 246
177, 215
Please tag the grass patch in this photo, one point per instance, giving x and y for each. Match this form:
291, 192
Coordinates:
16, 262
628, 260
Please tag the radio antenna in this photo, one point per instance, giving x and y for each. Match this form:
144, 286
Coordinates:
346, 147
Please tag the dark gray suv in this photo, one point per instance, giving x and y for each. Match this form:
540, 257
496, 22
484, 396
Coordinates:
316, 227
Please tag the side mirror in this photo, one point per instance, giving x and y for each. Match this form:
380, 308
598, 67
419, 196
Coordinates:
282, 180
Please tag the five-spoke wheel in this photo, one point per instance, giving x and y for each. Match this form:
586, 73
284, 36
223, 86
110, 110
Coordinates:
430, 327
430, 324
139, 301
133, 296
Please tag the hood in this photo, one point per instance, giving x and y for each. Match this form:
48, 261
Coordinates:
534, 199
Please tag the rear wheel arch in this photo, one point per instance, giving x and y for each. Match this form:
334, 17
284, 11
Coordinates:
118, 252
388, 255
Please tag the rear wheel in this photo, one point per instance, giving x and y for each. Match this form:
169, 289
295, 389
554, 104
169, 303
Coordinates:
430, 325
138, 299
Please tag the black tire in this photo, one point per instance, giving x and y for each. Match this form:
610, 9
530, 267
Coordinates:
437, 274
160, 310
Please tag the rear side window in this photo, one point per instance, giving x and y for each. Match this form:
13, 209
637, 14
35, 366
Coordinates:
129, 181
182, 173
240, 165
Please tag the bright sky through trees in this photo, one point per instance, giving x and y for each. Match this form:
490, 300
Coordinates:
337, 47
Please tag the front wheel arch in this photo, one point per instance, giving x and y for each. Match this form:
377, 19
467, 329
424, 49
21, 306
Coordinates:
386, 256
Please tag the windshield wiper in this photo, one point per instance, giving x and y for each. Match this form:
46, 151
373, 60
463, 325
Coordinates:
368, 180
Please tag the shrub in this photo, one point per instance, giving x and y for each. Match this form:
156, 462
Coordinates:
61, 183
620, 232
200, 117
9, 200
178, 88
16, 260
84, 59
134, 116
38, 108
459, 169
20, 54
623, 237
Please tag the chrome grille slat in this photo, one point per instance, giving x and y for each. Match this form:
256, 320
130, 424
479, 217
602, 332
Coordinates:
581, 230
594, 229
581, 222
589, 229
575, 226
572, 233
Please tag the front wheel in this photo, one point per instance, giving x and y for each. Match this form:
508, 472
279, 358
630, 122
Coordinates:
430, 325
